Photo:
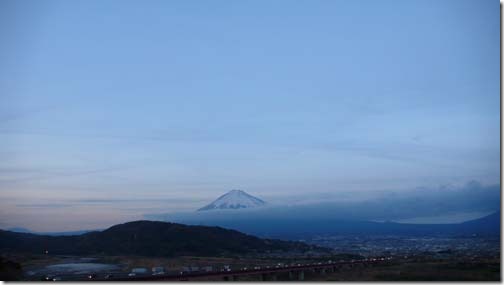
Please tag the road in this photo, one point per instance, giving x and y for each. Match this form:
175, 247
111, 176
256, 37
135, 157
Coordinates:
248, 272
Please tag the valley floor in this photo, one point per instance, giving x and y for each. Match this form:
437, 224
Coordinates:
421, 270
413, 268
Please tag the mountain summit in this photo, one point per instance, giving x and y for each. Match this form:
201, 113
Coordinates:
234, 199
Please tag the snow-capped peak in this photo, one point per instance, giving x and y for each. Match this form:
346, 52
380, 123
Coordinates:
234, 199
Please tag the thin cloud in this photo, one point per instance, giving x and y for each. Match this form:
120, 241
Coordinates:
62, 175
13, 116
45, 205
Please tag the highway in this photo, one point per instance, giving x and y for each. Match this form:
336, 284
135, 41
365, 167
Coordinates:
234, 274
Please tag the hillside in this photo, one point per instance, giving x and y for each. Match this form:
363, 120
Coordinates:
148, 238
486, 225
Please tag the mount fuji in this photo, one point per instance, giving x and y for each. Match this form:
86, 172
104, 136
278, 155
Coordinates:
234, 199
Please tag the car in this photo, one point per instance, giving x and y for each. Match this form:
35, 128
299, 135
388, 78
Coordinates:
131, 274
158, 273
47, 278
56, 279
158, 270
91, 276
108, 276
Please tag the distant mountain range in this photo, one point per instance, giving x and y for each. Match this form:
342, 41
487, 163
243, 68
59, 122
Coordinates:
69, 233
234, 199
295, 226
149, 238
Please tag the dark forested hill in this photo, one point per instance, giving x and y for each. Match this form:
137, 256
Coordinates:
148, 238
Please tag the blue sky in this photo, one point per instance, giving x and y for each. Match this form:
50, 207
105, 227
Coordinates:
185, 100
